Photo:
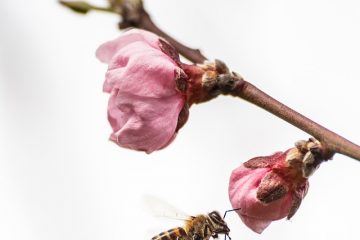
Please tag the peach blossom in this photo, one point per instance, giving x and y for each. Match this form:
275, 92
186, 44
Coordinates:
145, 103
268, 188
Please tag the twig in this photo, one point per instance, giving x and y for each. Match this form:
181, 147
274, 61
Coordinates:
333, 142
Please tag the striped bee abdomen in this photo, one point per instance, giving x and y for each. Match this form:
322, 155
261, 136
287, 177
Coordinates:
172, 234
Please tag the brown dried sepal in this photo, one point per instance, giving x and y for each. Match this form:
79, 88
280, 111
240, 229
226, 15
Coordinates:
271, 188
221, 67
181, 80
262, 162
183, 117
297, 198
317, 148
295, 204
308, 155
169, 50
226, 83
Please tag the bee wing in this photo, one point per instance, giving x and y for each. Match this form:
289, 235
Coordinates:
160, 208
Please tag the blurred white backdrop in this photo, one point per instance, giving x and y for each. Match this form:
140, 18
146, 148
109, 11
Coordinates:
60, 177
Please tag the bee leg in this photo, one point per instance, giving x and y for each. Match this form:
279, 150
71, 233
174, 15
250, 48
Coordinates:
227, 236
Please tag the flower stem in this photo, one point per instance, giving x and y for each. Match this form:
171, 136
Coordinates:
333, 141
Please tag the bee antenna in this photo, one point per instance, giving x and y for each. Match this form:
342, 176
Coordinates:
231, 210
235, 209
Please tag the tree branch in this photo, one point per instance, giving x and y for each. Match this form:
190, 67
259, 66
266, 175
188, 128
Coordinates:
332, 141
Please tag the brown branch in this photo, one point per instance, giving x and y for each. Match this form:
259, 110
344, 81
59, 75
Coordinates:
333, 142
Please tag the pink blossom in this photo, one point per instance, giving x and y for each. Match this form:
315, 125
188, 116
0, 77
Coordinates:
146, 106
269, 188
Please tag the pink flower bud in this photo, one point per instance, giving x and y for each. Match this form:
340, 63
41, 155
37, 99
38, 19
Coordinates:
148, 85
272, 187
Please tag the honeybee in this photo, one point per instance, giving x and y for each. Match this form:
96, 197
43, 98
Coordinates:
200, 227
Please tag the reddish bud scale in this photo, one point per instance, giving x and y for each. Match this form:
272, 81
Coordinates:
194, 89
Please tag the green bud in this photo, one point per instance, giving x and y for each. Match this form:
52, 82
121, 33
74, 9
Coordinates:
77, 6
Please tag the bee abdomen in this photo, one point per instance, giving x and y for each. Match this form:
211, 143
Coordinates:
172, 234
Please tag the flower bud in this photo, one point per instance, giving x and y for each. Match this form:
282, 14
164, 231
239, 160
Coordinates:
152, 90
77, 6
83, 7
148, 85
272, 187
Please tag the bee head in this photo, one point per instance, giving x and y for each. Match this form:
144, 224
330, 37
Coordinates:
219, 225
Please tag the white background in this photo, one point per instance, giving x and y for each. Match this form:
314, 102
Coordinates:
60, 177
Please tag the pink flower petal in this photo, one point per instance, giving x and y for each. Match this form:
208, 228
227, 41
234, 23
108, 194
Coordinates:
257, 225
138, 125
145, 104
141, 70
243, 186
107, 50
